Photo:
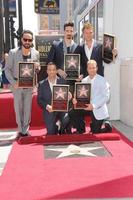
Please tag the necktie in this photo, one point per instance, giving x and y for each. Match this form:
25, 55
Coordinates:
68, 49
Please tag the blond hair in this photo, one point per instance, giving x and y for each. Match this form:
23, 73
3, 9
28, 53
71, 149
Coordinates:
92, 62
87, 25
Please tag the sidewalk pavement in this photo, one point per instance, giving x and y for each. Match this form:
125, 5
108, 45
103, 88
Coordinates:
7, 138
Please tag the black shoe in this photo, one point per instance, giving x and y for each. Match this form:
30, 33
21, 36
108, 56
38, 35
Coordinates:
79, 132
108, 128
68, 129
18, 135
24, 134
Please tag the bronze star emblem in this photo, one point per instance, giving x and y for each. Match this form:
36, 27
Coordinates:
108, 43
72, 63
83, 91
26, 71
60, 94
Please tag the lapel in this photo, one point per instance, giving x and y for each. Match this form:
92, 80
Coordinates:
73, 47
58, 80
32, 54
48, 89
93, 50
19, 55
83, 48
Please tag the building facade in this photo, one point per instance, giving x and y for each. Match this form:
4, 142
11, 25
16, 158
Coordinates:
113, 17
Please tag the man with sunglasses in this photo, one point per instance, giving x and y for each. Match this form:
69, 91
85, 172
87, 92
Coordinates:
22, 96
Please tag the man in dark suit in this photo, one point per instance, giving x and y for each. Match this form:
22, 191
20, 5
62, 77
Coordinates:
44, 98
66, 46
59, 48
57, 51
92, 50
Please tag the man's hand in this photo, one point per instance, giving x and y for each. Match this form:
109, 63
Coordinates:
79, 78
37, 67
49, 108
74, 101
69, 96
89, 107
114, 52
15, 86
62, 73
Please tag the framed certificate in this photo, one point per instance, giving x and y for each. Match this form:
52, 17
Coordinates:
82, 94
60, 100
108, 46
72, 66
26, 75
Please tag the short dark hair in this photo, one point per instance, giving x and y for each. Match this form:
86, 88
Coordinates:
27, 31
51, 63
68, 24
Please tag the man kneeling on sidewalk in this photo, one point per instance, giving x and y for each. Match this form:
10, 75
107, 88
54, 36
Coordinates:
97, 109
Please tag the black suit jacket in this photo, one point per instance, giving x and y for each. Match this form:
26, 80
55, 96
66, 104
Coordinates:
96, 55
44, 95
56, 53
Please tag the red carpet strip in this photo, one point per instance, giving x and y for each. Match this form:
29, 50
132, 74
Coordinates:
66, 138
7, 115
28, 175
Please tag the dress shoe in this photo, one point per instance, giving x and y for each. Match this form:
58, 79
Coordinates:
68, 129
79, 132
18, 135
107, 128
24, 134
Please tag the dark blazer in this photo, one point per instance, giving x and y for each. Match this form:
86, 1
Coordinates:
44, 92
96, 55
56, 53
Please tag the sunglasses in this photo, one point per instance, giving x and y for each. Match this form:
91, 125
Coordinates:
27, 40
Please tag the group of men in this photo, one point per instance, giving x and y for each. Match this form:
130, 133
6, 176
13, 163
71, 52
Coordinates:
91, 71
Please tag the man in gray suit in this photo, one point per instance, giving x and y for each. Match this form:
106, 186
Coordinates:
22, 96
100, 95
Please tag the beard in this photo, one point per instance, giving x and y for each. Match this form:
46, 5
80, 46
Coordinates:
27, 46
69, 37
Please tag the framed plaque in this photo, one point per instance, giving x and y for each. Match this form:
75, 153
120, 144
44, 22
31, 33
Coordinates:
72, 66
108, 46
60, 100
82, 94
26, 75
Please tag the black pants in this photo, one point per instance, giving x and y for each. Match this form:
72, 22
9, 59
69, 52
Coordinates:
95, 125
78, 122
50, 120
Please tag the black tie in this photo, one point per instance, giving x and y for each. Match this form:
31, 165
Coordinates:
68, 49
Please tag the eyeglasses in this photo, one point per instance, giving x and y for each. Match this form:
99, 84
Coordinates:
27, 40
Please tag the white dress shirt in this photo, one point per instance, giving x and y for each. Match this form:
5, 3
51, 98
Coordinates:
88, 51
51, 83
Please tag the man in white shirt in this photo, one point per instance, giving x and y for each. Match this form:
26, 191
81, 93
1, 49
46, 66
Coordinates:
100, 95
92, 50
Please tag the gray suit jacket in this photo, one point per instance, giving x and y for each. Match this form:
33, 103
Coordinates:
15, 56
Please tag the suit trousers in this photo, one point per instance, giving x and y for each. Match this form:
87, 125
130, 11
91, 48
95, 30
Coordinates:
22, 105
77, 120
50, 120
